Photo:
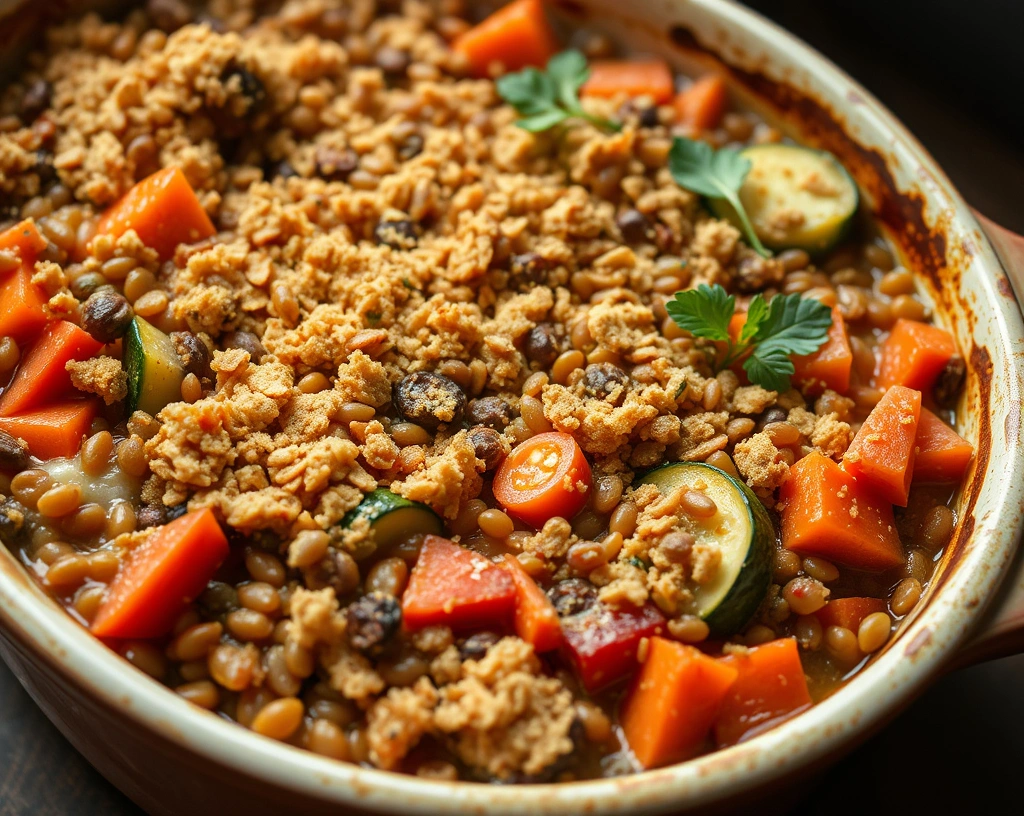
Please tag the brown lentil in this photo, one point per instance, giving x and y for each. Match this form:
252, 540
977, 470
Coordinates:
29, 485
308, 548
905, 596
327, 739
532, 411
137, 283
231, 666
59, 500
408, 433
248, 624
103, 565
824, 571
606, 494
698, 504
495, 523
9, 354
196, 642
87, 601
689, 629
623, 520
808, 632
873, 632
278, 677
279, 719
389, 576
722, 461
805, 596
265, 567
567, 362
202, 693
936, 528
120, 519
842, 646
259, 597
96, 451
131, 457
145, 657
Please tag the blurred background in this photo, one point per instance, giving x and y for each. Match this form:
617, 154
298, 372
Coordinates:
953, 73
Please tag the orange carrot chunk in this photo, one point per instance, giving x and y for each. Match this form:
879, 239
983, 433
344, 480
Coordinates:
673, 703
42, 377
770, 687
848, 612
160, 576
535, 619
913, 355
702, 105
610, 78
545, 476
516, 36
456, 587
54, 431
22, 312
24, 241
162, 209
881, 455
942, 454
827, 512
829, 366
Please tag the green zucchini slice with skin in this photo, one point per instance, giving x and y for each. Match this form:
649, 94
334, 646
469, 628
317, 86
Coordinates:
744, 533
796, 197
393, 518
153, 367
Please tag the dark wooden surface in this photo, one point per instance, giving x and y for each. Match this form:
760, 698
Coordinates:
957, 748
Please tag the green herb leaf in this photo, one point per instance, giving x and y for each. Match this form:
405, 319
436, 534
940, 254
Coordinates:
547, 98
794, 325
714, 173
703, 312
774, 330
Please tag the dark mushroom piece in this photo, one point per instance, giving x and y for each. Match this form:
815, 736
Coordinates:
372, 620
396, 233
543, 343
13, 453
604, 380
572, 596
492, 412
247, 341
950, 382
429, 400
195, 356
475, 646
488, 446
106, 315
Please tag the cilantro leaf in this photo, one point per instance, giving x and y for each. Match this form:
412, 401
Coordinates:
714, 173
774, 330
703, 312
794, 325
769, 368
547, 98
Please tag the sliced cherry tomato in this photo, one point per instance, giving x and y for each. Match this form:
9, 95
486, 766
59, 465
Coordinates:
543, 477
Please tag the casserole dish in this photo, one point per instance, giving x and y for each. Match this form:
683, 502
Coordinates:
939, 240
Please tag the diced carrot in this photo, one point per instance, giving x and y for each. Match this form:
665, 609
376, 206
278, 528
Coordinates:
535, 619
702, 105
601, 643
848, 612
25, 240
942, 454
42, 377
456, 587
545, 476
913, 355
829, 366
162, 209
517, 35
827, 512
22, 312
54, 431
610, 78
769, 688
160, 576
673, 703
881, 455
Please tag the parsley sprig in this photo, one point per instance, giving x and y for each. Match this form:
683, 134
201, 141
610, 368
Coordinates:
775, 329
714, 174
547, 98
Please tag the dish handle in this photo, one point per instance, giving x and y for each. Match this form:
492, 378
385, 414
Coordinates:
1001, 631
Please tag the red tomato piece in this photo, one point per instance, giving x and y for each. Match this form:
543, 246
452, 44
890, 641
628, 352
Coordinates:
456, 587
601, 643
543, 477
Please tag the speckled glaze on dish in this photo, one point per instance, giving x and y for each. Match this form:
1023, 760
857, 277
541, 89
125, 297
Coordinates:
173, 758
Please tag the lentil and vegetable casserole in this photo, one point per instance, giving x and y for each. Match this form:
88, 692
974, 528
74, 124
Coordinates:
438, 389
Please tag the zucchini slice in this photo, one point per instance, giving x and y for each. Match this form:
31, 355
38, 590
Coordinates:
153, 367
393, 518
796, 197
745, 535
